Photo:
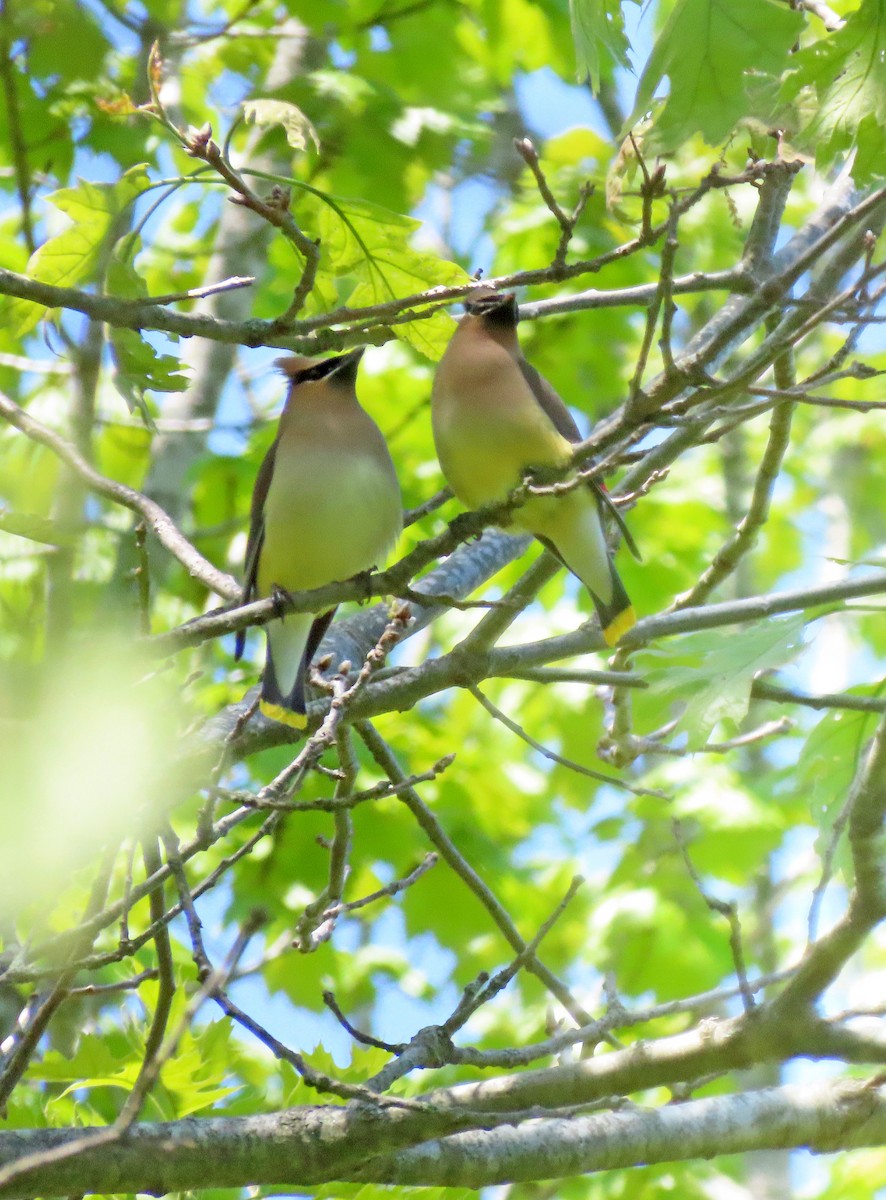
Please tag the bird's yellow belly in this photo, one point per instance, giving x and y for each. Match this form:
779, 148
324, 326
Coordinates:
327, 524
485, 459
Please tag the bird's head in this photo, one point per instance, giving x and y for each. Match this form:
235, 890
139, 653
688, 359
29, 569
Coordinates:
339, 370
494, 308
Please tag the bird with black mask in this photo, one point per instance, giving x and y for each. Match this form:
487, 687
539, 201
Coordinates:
495, 419
326, 507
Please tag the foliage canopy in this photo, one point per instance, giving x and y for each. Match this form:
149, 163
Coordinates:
515, 897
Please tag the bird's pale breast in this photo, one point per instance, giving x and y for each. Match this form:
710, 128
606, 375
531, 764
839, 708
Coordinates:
489, 430
335, 515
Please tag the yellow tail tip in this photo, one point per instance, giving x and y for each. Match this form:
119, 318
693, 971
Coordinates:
616, 629
276, 712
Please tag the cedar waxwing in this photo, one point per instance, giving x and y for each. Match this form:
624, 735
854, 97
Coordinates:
326, 506
495, 418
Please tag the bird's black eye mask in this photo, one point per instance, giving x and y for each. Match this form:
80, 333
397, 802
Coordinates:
319, 370
341, 369
496, 309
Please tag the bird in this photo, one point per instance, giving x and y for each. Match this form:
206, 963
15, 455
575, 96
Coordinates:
495, 418
326, 507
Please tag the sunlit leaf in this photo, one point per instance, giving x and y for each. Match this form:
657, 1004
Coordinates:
847, 70
72, 256
139, 367
373, 244
299, 130
708, 50
716, 683
597, 25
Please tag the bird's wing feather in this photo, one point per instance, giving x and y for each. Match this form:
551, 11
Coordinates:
609, 504
554, 408
256, 537
561, 418
257, 520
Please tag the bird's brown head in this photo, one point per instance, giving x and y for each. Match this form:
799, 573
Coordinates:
496, 309
339, 370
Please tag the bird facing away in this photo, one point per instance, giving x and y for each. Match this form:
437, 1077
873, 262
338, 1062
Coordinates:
495, 418
326, 506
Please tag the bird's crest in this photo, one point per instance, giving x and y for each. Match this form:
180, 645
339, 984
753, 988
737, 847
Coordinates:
299, 369
499, 308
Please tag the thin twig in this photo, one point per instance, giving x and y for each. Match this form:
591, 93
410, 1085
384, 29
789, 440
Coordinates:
666, 282
318, 919
391, 889
318, 1080
123, 985
162, 1053
378, 791
210, 289
173, 858
553, 756
411, 515
500, 980
432, 1046
385, 758
158, 521
166, 972
365, 1039
290, 777
529, 154
725, 909
275, 209
136, 314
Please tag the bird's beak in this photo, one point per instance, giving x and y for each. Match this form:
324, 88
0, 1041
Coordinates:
346, 365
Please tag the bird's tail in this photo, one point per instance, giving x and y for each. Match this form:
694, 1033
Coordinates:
574, 532
292, 644
617, 614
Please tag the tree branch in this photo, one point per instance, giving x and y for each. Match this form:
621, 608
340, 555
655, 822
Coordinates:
824, 1118
158, 521
310, 1145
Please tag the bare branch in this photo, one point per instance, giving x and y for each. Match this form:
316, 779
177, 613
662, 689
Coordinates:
821, 1117
727, 557
155, 518
317, 922
316, 335
553, 756
383, 755
825, 959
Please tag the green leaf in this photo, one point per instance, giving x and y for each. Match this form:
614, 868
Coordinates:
36, 528
596, 24
88, 202
729, 829
65, 39
372, 243
847, 73
139, 368
73, 256
710, 50
429, 335
296, 125
122, 279
124, 1080
653, 943
717, 682
352, 231
827, 765
94, 1059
